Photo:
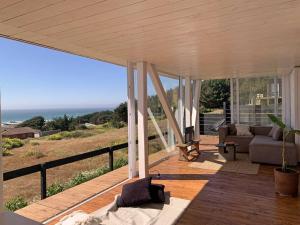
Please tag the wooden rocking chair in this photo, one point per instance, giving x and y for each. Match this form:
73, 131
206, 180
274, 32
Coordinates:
190, 150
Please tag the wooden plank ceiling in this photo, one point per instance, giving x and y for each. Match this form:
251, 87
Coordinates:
198, 38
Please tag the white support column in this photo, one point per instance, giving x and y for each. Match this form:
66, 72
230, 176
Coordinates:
275, 96
157, 128
195, 111
164, 102
295, 104
181, 105
231, 100
286, 99
142, 120
237, 100
131, 122
187, 102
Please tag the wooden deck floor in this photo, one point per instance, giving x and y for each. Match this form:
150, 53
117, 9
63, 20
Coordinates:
218, 198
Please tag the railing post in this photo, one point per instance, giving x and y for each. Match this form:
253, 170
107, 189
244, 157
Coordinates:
111, 159
43, 182
201, 121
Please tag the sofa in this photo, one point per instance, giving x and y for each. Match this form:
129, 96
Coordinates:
261, 147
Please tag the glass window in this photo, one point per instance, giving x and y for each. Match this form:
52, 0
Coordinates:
257, 97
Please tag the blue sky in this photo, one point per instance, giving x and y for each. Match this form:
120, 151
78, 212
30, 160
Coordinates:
32, 77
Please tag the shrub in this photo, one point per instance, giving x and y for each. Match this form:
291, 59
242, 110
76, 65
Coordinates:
55, 188
54, 137
34, 153
16, 203
10, 143
83, 177
6, 152
120, 163
69, 134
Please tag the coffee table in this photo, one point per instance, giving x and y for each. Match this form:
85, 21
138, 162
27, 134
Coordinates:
228, 150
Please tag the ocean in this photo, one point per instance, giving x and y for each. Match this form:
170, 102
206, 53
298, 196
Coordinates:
18, 115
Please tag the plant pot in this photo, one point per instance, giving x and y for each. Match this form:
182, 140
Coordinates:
286, 183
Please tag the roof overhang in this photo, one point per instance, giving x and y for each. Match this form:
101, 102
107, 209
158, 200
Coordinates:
201, 39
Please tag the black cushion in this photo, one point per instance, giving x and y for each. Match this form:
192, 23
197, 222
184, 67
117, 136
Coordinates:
157, 193
135, 193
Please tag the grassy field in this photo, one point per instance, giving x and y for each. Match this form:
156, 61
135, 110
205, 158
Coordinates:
45, 149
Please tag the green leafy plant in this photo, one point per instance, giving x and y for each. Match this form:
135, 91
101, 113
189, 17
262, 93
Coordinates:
69, 134
83, 176
16, 203
286, 132
10, 143
6, 152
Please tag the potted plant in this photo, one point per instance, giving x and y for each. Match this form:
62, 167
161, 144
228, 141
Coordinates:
286, 179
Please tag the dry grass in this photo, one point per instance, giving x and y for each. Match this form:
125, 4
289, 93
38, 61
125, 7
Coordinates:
29, 186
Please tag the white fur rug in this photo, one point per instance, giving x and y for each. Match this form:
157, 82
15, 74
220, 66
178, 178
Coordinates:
148, 214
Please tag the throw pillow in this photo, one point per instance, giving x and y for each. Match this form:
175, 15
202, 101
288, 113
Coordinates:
243, 130
231, 129
277, 134
157, 193
272, 131
135, 193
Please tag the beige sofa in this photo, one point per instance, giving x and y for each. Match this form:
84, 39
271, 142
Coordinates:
261, 147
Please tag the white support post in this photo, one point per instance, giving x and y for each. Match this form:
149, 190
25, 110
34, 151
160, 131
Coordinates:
164, 102
276, 96
231, 100
295, 104
142, 120
157, 128
131, 122
237, 100
181, 105
187, 102
195, 111
286, 99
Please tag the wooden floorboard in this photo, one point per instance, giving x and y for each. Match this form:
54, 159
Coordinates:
218, 198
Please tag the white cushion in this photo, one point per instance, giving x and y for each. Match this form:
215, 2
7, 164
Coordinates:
242, 130
79, 218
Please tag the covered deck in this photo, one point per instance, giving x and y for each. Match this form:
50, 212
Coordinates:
217, 197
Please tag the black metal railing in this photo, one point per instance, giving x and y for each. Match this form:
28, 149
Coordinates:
42, 168
209, 123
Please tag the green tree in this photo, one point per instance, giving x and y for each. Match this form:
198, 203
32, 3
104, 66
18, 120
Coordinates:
120, 113
37, 122
64, 123
214, 93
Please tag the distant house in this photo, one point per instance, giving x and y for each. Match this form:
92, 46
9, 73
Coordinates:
21, 132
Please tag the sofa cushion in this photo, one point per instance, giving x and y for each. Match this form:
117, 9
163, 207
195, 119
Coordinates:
260, 130
231, 129
290, 138
272, 132
261, 140
242, 130
264, 149
277, 134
